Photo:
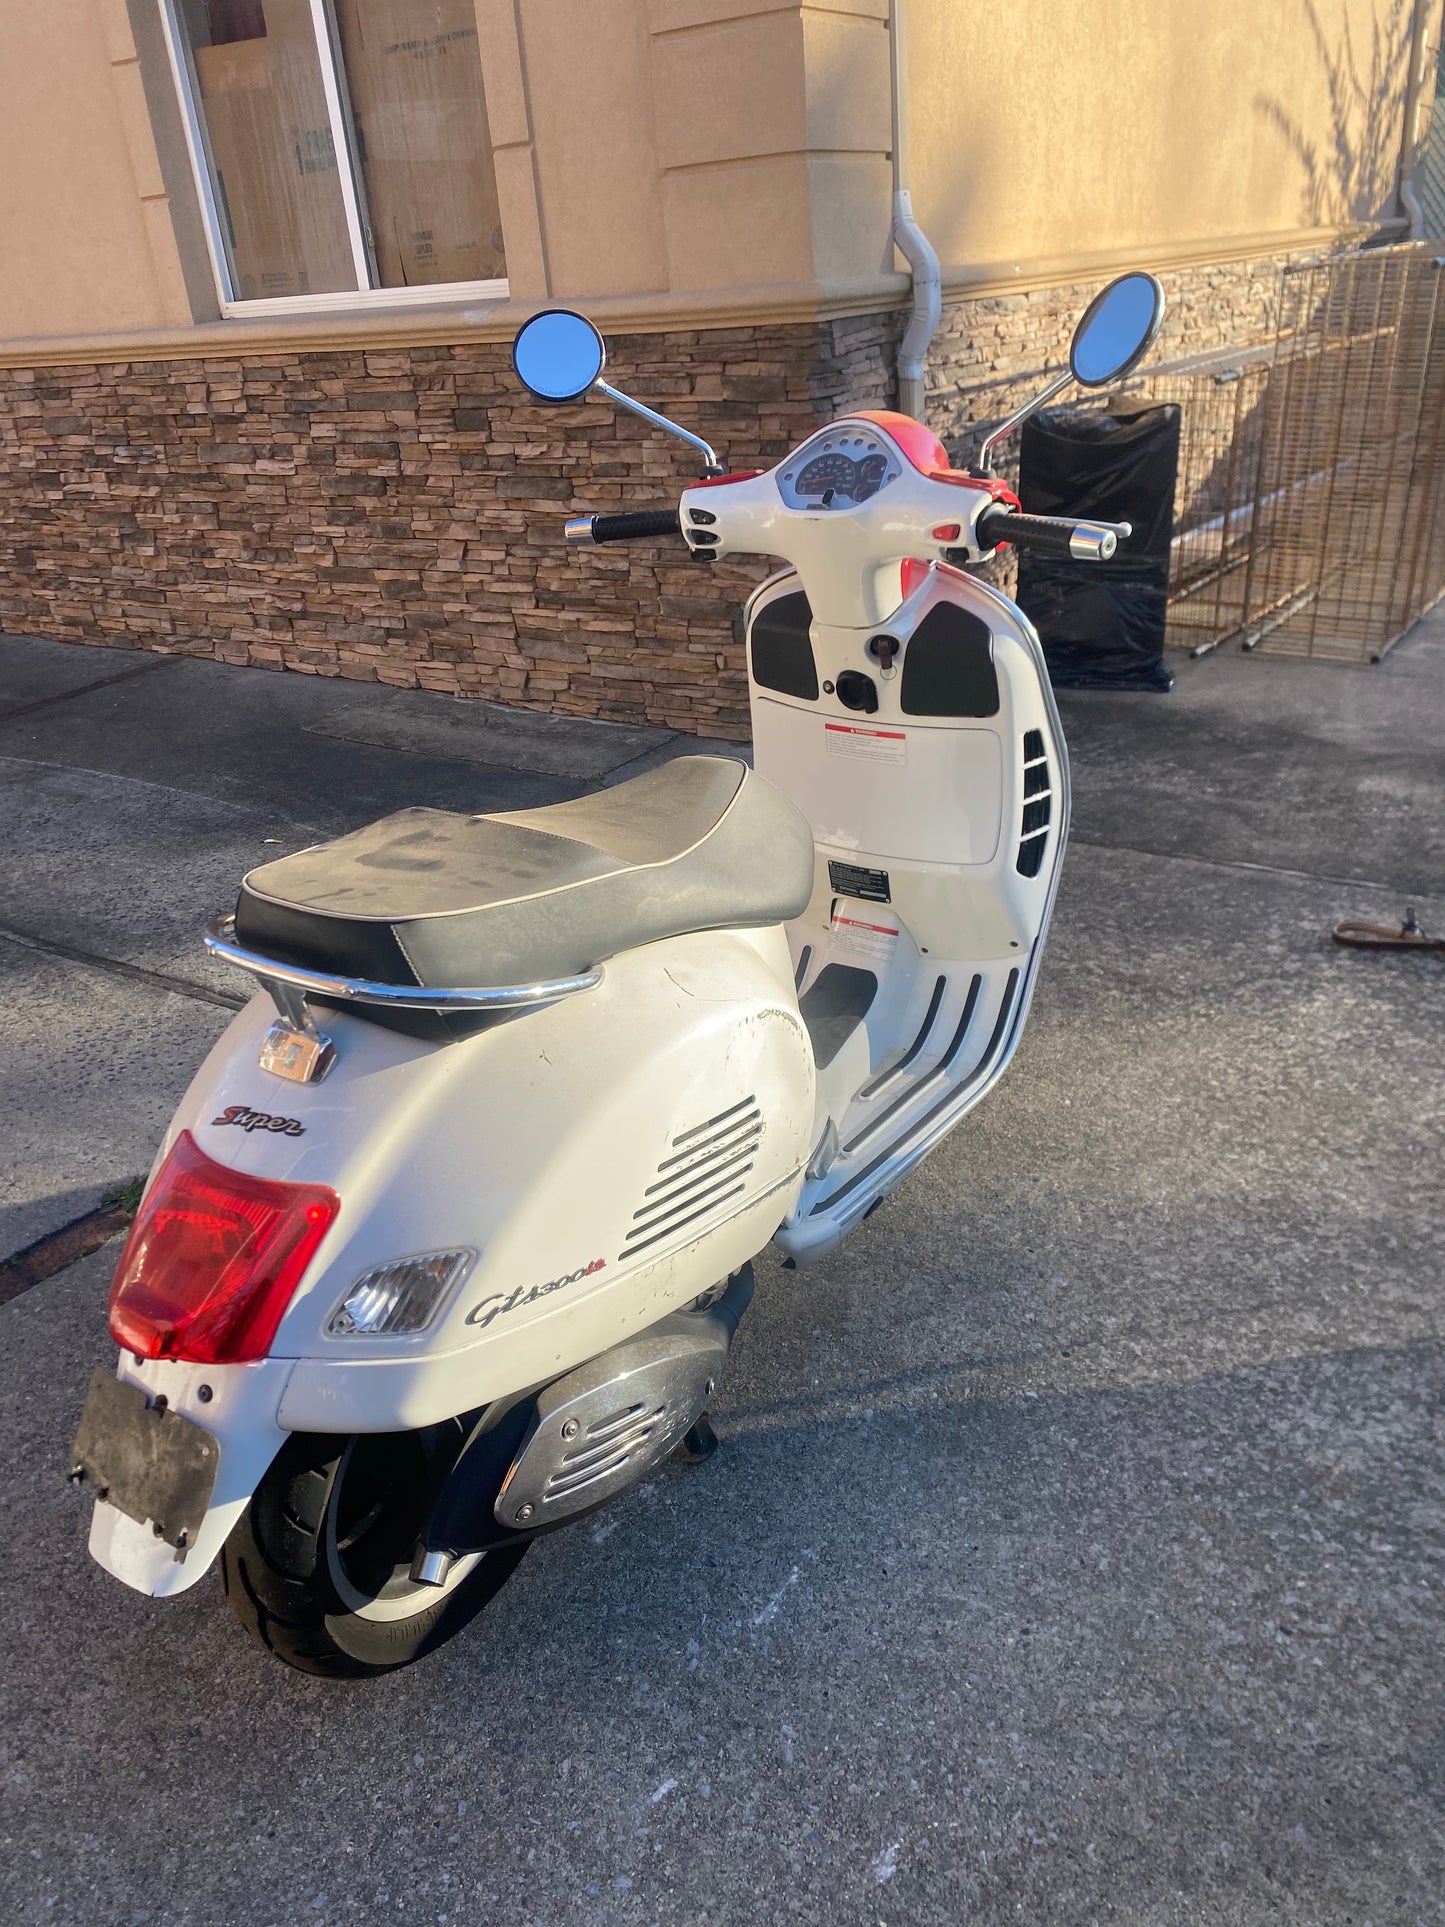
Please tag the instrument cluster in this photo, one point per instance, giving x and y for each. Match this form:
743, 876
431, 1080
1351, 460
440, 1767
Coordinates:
839, 469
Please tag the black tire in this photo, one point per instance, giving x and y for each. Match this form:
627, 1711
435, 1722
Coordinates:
316, 1568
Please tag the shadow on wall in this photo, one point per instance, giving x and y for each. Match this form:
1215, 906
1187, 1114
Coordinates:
1350, 174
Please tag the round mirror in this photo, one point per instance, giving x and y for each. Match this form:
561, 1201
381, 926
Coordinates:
1118, 326
558, 355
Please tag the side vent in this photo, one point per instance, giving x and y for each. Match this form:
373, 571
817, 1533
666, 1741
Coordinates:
1038, 805
708, 1165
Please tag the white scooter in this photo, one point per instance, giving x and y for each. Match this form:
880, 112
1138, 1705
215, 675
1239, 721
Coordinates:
448, 1239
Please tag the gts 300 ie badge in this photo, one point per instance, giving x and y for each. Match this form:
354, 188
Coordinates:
505, 1301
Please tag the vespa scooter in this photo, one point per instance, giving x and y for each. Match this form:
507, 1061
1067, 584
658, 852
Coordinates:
447, 1241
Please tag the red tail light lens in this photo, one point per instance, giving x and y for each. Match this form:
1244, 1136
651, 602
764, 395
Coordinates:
213, 1259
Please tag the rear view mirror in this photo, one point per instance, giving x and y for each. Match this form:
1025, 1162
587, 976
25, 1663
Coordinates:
1116, 330
558, 355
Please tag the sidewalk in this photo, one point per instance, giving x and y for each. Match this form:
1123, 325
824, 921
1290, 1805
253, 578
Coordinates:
1076, 1550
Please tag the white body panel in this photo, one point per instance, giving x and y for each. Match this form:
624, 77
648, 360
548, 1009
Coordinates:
533, 1143
859, 803
956, 974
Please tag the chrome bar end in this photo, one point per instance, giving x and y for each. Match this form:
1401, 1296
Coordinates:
1098, 541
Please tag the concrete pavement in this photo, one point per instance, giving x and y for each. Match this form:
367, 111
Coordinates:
1076, 1549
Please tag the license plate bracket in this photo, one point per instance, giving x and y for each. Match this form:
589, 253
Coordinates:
149, 1462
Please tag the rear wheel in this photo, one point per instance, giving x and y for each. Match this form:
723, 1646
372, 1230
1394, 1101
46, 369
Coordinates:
318, 1569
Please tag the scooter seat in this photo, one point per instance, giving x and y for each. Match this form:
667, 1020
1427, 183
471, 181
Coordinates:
435, 898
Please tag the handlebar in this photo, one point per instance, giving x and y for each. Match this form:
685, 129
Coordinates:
1059, 535
644, 525
1052, 534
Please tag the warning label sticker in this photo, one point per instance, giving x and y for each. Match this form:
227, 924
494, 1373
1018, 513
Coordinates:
859, 939
866, 745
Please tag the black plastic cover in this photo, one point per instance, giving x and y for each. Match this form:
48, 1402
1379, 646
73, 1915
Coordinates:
948, 666
1102, 623
782, 651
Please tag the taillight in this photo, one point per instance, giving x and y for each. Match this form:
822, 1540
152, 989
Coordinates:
213, 1259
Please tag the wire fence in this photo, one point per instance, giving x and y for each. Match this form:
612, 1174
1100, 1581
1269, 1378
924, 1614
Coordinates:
1310, 508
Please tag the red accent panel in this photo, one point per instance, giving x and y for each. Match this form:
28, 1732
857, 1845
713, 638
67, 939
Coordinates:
919, 444
721, 481
213, 1259
928, 455
999, 491
911, 573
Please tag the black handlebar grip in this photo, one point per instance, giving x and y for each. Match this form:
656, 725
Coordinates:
638, 527
1039, 532
1083, 541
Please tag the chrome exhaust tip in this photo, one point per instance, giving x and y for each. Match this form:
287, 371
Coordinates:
432, 1568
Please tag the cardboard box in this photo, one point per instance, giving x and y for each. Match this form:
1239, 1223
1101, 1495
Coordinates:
413, 68
271, 140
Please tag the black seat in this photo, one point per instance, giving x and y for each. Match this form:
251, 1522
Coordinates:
433, 898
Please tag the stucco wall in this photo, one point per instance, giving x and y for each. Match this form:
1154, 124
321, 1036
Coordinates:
689, 144
1116, 126
85, 229
665, 147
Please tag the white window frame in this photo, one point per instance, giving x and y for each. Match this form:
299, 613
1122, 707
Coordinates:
366, 295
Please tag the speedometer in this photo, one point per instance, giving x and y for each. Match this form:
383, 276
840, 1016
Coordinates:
826, 472
838, 468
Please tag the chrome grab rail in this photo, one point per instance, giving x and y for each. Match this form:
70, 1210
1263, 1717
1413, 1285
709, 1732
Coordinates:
219, 936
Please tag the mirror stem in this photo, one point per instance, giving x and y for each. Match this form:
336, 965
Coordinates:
711, 464
1045, 395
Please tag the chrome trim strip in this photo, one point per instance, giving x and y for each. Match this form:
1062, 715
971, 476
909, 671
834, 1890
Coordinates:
219, 937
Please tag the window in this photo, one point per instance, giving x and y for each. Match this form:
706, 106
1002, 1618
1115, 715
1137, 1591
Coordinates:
340, 146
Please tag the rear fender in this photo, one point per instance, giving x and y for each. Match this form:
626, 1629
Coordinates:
238, 1405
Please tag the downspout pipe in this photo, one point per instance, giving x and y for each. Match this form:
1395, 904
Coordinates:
912, 243
1421, 56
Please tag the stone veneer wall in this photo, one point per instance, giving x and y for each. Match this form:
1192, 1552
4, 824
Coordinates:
990, 354
396, 516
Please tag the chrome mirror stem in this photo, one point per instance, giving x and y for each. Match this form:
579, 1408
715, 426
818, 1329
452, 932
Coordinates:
711, 464
1045, 395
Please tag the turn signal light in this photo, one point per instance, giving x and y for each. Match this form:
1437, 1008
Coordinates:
398, 1299
213, 1259
947, 532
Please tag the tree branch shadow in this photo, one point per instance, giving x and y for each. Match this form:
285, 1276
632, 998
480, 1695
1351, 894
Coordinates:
1349, 172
